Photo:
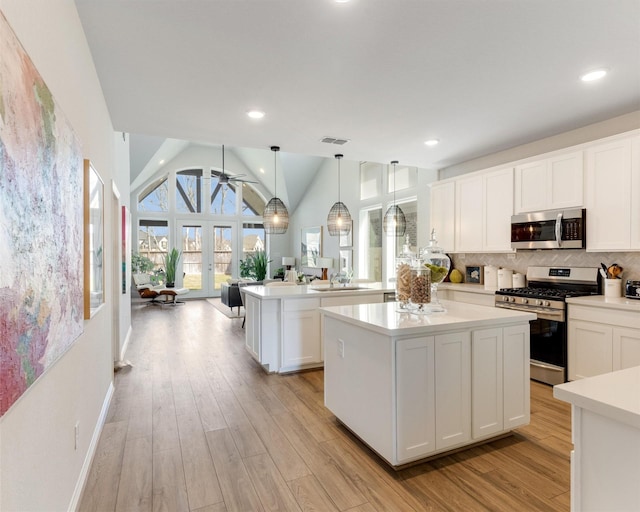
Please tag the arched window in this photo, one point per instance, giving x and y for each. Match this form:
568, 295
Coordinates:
155, 197
189, 191
223, 196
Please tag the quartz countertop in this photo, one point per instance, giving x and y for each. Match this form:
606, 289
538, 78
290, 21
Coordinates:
601, 301
385, 319
315, 291
615, 395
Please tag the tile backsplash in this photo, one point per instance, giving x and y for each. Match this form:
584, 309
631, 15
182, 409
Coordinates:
519, 262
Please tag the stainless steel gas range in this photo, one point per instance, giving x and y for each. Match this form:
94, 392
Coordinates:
546, 293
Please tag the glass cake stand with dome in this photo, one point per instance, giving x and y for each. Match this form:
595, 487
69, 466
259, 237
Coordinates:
435, 259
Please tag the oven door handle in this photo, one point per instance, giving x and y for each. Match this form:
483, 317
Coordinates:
527, 309
559, 229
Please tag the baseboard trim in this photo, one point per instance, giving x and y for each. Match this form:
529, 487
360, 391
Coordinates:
93, 446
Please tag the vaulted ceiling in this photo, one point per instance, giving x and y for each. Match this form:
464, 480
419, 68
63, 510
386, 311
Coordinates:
480, 76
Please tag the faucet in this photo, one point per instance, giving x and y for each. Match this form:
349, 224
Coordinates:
333, 278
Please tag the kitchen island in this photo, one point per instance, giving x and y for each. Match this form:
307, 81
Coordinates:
414, 386
283, 330
605, 423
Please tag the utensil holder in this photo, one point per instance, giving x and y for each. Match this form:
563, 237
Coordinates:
613, 287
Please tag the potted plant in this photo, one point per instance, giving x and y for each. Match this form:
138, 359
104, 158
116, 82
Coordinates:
170, 266
260, 263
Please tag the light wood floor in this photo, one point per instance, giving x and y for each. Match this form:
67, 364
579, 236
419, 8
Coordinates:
197, 425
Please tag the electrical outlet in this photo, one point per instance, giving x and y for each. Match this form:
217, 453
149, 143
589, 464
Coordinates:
76, 435
341, 348
511, 256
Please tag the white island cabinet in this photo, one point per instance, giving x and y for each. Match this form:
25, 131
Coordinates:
605, 423
282, 327
415, 386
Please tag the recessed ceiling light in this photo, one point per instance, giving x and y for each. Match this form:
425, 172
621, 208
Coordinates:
161, 162
255, 114
341, 1
261, 170
596, 74
431, 142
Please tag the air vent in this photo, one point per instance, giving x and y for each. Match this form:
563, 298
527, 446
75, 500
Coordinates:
334, 140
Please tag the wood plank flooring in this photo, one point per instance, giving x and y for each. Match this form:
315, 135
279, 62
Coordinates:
196, 425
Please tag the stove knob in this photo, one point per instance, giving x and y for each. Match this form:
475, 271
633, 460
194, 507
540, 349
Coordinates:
546, 303
512, 299
538, 302
525, 301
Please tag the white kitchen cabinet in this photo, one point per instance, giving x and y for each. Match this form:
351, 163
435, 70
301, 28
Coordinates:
612, 191
442, 214
590, 349
552, 183
453, 388
516, 367
469, 214
301, 341
499, 356
626, 348
497, 210
262, 331
601, 340
487, 385
416, 398
484, 205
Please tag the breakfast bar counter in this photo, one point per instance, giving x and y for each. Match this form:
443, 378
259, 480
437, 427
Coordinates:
414, 386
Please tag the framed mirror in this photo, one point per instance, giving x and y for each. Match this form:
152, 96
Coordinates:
311, 246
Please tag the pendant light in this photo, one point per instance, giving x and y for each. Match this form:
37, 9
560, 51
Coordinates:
275, 217
339, 218
395, 223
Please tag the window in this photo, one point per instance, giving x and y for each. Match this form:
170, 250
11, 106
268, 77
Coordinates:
371, 244
223, 196
405, 178
370, 180
252, 239
189, 191
252, 203
153, 240
155, 198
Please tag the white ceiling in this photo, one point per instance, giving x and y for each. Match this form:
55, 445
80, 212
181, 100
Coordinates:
481, 76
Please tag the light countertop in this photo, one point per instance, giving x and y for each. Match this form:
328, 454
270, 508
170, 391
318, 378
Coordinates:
466, 287
315, 291
385, 319
615, 395
600, 301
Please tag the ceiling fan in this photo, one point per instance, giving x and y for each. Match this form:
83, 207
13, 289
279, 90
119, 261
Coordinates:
224, 178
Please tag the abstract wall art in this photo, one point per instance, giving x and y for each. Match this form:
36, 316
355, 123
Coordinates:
41, 225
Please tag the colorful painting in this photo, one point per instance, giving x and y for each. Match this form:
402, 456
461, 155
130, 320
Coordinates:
41, 225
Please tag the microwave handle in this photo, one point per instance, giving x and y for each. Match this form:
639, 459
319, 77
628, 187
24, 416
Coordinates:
559, 229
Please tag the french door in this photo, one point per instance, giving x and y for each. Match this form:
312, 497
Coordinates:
209, 255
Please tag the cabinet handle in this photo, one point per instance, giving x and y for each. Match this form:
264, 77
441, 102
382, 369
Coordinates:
559, 229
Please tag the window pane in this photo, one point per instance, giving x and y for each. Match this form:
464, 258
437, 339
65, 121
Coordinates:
252, 203
370, 180
405, 178
155, 197
222, 258
153, 240
223, 196
252, 239
410, 210
189, 191
372, 244
192, 256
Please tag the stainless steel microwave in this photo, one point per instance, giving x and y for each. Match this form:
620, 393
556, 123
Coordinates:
550, 229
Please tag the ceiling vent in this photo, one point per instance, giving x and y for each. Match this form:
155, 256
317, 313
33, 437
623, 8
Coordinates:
334, 140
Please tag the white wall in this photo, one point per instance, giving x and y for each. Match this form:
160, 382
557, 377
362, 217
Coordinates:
39, 468
587, 133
